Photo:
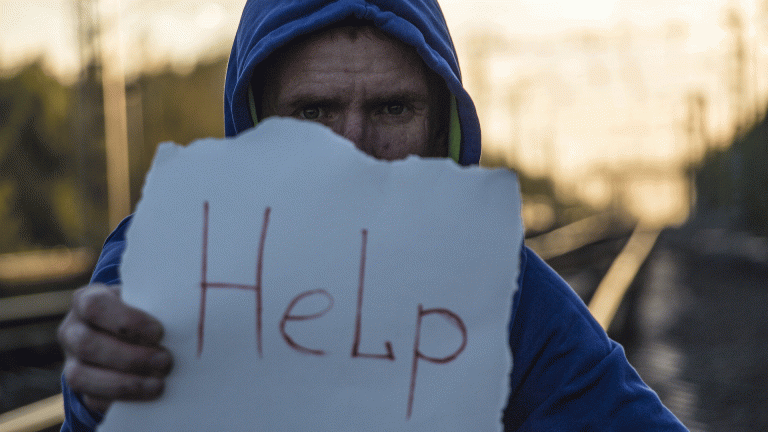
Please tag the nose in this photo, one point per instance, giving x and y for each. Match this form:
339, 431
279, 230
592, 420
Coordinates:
352, 126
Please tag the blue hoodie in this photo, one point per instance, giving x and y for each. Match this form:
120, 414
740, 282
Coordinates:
567, 374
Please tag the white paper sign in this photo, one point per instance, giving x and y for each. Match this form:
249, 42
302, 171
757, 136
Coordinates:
304, 285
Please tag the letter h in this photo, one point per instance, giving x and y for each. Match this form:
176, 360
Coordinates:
205, 284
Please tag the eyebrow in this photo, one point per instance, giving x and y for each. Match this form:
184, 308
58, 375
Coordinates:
315, 98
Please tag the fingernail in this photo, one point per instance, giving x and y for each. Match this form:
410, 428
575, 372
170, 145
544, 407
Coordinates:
155, 329
152, 385
160, 361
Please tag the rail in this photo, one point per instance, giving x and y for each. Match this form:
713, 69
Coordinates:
607, 298
572, 236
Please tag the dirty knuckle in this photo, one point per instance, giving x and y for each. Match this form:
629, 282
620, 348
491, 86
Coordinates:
83, 344
80, 292
129, 388
138, 363
73, 373
92, 305
61, 331
70, 336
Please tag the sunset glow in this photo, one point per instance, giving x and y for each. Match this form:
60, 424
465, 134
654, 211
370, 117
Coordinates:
564, 89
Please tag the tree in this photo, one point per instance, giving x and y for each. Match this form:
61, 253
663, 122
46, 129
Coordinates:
733, 182
39, 194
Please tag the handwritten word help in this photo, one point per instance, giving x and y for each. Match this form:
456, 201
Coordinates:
289, 315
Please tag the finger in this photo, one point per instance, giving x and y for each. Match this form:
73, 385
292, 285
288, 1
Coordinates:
101, 307
96, 404
108, 385
106, 351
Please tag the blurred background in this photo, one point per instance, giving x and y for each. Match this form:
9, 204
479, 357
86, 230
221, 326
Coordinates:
637, 128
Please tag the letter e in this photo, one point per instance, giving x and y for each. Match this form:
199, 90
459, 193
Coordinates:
287, 316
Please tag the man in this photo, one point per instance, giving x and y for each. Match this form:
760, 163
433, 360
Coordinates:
384, 75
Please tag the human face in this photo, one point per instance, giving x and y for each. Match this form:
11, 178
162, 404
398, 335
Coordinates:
366, 86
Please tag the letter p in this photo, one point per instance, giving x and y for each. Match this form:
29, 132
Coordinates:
417, 354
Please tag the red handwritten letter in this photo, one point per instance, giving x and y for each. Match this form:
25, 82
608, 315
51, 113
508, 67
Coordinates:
288, 317
452, 318
390, 355
204, 284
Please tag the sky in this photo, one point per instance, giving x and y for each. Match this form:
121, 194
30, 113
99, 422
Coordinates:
553, 106
181, 31
178, 32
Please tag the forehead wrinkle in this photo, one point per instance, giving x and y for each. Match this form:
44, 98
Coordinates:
316, 89
380, 86
358, 61
368, 53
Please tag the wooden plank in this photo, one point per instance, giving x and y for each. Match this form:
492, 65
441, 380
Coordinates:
572, 236
45, 265
35, 305
35, 416
35, 334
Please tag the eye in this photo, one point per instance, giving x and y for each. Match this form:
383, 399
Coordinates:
310, 113
394, 108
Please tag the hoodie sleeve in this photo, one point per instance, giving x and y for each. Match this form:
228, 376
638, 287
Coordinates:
567, 373
78, 418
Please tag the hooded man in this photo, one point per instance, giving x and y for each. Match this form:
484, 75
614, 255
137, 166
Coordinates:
383, 74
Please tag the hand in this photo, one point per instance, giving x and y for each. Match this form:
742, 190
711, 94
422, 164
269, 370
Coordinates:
112, 350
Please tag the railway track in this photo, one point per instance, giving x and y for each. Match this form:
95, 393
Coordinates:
598, 257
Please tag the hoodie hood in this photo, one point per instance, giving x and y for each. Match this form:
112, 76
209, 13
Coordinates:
266, 25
